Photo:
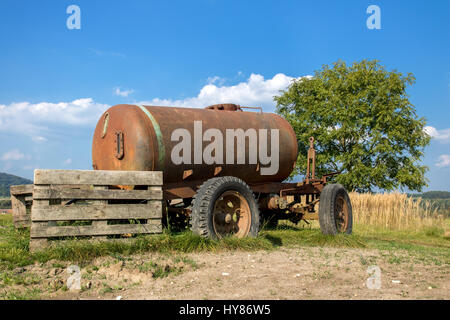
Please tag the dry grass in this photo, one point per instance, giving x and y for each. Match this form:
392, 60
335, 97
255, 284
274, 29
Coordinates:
395, 211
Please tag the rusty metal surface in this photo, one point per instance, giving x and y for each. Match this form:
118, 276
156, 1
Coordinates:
231, 215
341, 214
147, 141
137, 140
225, 106
311, 161
231, 107
315, 186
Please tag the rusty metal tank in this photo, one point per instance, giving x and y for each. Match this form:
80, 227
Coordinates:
133, 137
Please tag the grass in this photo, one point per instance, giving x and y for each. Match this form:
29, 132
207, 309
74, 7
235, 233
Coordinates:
395, 211
5, 219
399, 220
159, 270
379, 219
28, 294
391, 223
427, 236
14, 244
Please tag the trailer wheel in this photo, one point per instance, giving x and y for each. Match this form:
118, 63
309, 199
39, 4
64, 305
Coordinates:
335, 210
225, 206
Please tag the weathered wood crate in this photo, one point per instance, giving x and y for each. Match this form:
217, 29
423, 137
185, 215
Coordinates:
90, 204
21, 201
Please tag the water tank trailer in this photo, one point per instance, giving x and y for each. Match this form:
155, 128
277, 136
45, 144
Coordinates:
223, 167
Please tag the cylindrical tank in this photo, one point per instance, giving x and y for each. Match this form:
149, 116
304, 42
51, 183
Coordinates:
132, 137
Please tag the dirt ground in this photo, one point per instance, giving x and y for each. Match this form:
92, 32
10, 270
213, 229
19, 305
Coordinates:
294, 273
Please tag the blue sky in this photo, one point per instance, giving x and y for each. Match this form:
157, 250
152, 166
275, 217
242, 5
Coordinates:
55, 82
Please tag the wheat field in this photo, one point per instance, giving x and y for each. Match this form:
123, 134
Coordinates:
394, 211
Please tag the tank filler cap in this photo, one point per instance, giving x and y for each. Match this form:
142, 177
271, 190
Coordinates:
225, 106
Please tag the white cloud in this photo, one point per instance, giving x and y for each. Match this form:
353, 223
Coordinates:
123, 93
67, 161
38, 139
216, 80
444, 161
255, 91
39, 120
440, 135
36, 119
13, 155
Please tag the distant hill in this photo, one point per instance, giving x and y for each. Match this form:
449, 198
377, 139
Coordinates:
433, 195
437, 200
7, 180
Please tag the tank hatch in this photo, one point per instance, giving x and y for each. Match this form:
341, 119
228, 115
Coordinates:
225, 106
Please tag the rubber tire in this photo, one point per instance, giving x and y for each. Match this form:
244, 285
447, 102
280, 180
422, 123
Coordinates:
204, 200
327, 203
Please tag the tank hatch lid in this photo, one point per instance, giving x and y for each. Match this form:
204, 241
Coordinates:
225, 106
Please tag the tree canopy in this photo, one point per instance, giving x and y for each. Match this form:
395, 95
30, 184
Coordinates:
363, 123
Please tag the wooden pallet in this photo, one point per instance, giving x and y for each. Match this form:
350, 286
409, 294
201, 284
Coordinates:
90, 204
21, 202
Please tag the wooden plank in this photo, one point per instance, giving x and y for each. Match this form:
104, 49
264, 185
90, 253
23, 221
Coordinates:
21, 217
100, 223
21, 189
22, 224
18, 205
98, 212
77, 186
155, 209
19, 211
55, 192
38, 243
75, 231
35, 244
98, 177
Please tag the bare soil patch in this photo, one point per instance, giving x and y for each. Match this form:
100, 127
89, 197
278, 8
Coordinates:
285, 273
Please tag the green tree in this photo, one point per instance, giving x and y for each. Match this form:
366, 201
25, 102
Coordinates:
364, 125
